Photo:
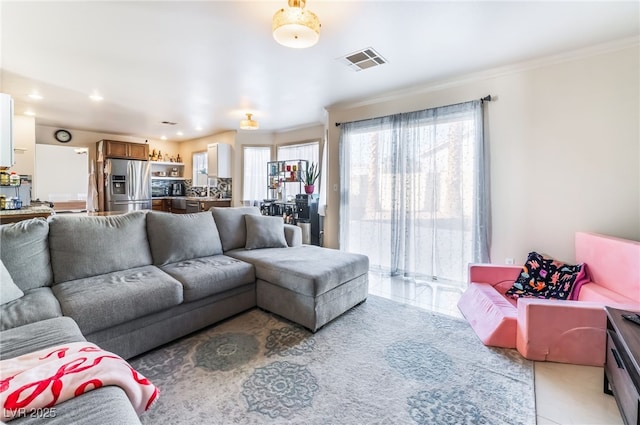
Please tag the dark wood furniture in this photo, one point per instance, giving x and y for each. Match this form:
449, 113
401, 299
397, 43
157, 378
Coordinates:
125, 150
161, 205
168, 205
622, 367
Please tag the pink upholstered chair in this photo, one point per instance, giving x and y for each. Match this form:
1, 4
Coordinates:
553, 330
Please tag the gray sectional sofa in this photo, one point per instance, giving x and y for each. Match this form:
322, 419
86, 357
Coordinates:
132, 282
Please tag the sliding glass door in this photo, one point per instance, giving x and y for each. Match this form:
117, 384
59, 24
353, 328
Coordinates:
413, 191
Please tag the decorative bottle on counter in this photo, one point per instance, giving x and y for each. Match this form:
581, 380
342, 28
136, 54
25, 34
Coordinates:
154, 156
14, 179
178, 159
159, 155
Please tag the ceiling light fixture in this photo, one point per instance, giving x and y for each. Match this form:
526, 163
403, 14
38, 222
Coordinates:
96, 97
249, 124
35, 96
295, 27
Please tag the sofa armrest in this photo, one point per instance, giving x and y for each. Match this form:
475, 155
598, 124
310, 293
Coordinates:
493, 273
499, 276
293, 235
562, 331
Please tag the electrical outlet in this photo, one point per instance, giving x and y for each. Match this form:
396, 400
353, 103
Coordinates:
509, 261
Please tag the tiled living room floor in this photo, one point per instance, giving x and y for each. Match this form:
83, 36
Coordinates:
565, 394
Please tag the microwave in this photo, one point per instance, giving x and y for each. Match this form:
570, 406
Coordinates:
157, 191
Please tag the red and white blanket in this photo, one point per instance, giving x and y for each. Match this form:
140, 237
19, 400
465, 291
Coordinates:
44, 378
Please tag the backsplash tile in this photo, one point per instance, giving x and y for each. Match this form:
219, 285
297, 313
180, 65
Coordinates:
222, 190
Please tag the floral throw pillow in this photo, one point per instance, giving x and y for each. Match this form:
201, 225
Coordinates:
543, 277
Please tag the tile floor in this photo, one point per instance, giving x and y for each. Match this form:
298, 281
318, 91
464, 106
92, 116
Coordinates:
565, 394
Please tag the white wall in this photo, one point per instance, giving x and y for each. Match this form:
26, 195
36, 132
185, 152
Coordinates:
298, 135
62, 174
564, 148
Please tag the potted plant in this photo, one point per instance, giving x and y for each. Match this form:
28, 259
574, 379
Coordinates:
311, 174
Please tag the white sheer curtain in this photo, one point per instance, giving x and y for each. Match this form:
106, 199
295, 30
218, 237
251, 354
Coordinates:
414, 192
254, 174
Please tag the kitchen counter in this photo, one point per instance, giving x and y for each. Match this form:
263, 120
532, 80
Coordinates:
206, 198
11, 216
193, 198
169, 197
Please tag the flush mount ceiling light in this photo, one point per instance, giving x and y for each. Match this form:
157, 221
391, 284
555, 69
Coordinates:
295, 27
249, 124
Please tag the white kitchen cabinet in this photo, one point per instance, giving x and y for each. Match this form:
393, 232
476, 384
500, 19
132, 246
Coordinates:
6, 131
219, 160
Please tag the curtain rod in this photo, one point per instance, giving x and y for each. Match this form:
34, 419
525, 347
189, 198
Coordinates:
487, 98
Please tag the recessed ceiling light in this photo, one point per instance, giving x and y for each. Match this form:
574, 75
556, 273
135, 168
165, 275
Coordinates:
30, 113
163, 138
35, 96
179, 133
96, 97
198, 128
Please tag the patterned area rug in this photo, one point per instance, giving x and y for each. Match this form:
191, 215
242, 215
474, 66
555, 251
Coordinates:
380, 363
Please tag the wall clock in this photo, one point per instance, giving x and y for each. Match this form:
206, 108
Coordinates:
62, 136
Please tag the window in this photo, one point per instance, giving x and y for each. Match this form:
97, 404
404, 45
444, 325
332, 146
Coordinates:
254, 173
309, 151
414, 193
199, 169
306, 151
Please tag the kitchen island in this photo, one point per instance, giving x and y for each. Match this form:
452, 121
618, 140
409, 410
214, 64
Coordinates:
25, 213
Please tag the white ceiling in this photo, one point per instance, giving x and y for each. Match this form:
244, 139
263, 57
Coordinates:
206, 63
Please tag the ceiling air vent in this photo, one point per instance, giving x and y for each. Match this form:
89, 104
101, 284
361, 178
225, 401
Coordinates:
363, 59
168, 122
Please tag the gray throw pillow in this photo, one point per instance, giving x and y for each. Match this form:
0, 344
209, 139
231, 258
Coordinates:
89, 246
177, 237
25, 252
231, 225
8, 289
264, 232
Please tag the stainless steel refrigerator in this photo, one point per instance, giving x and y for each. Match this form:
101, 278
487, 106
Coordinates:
128, 185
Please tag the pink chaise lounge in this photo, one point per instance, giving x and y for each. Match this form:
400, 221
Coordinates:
554, 330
